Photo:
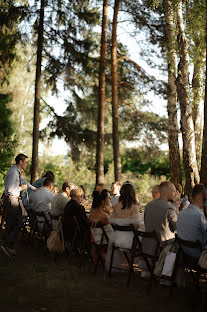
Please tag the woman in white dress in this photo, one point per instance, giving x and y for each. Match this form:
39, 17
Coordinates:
126, 212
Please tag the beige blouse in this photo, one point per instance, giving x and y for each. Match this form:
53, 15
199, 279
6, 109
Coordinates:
132, 212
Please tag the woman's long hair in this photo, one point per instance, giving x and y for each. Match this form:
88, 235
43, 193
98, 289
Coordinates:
98, 197
127, 196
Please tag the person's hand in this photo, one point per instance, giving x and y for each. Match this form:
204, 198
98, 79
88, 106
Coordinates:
23, 186
37, 189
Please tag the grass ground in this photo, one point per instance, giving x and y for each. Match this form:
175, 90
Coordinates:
33, 282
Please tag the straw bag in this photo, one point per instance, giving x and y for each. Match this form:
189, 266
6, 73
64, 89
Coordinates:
203, 260
55, 242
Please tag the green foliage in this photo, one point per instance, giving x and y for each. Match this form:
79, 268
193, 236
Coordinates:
141, 161
7, 144
66, 170
11, 15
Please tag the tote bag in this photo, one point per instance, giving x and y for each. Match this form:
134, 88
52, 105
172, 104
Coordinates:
55, 244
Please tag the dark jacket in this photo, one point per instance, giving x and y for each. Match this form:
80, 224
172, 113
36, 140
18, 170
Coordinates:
73, 209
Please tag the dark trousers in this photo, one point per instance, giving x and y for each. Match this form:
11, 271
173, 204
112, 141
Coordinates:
13, 216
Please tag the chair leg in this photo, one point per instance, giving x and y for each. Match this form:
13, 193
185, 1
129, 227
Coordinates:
111, 260
99, 258
131, 270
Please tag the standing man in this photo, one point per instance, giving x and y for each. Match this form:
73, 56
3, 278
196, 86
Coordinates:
14, 184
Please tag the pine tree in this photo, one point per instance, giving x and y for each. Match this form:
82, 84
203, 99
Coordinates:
174, 152
101, 103
36, 120
183, 89
115, 99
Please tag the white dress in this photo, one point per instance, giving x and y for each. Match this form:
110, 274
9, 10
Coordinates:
121, 239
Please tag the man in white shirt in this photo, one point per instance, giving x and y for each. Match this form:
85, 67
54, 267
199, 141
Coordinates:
14, 184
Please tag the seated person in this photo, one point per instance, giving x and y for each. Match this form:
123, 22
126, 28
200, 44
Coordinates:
160, 217
100, 187
84, 202
181, 202
38, 184
115, 192
41, 200
155, 192
126, 212
59, 201
97, 214
191, 224
74, 209
55, 189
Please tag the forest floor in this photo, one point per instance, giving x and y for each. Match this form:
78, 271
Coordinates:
34, 282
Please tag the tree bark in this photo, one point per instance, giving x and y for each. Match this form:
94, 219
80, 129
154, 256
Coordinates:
36, 121
196, 105
183, 89
101, 101
115, 114
174, 153
204, 145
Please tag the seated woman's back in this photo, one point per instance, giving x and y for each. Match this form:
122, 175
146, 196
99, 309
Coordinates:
128, 213
98, 215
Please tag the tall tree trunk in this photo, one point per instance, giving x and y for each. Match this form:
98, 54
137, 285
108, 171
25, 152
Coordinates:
183, 89
115, 99
36, 121
101, 100
196, 105
174, 153
204, 145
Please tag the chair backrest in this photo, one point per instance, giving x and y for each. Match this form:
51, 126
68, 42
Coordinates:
100, 225
148, 235
123, 228
45, 216
189, 244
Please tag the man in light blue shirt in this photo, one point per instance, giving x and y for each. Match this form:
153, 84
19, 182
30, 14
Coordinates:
42, 200
14, 184
191, 224
38, 184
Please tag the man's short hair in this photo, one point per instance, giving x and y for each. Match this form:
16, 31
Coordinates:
48, 182
198, 189
49, 174
164, 185
75, 192
20, 157
67, 184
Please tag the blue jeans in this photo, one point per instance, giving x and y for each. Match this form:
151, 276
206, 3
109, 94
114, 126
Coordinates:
13, 216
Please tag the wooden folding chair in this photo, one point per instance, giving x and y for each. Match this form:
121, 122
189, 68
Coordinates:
190, 264
99, 247
34, 228
125, 251
137, 251
80, 244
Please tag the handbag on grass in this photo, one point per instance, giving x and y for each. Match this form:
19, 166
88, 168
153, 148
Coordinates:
203, 260
55, 242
